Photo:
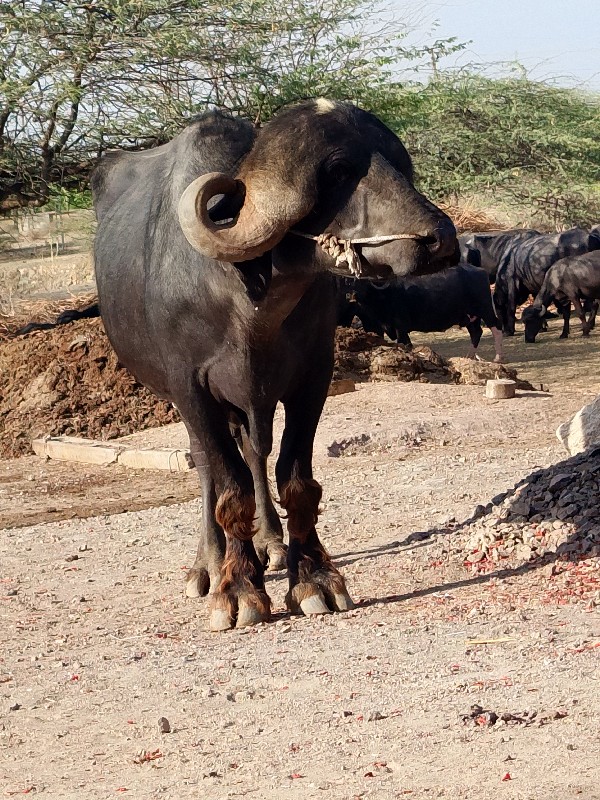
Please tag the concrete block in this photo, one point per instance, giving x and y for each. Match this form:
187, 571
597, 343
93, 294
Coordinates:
72, 448
159, 458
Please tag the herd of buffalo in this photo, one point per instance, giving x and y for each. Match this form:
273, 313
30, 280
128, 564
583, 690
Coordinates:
498, 272
224, 261
561, 269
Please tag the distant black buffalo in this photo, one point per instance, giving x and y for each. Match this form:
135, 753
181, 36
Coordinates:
460, 295
487, 250
570, 280
71, 315
524, 267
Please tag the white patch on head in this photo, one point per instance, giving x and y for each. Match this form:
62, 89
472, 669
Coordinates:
324, 106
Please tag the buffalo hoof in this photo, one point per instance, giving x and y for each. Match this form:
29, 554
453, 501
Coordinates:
564, 336
272, 555
277, 558
585, 332
238, 609
197, 583
499, 360
324, 593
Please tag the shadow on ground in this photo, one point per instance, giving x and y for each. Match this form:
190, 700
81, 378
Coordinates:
559, 502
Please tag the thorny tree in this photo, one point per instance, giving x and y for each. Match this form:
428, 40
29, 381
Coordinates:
79, 77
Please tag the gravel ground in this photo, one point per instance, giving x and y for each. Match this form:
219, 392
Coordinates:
447, 680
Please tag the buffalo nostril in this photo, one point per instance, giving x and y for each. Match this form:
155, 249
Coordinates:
442, 242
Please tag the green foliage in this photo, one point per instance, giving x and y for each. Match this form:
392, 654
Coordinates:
79, 78
533, 145
62, 199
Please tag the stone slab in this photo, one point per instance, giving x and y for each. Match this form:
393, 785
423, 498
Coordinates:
71, 448
163, 458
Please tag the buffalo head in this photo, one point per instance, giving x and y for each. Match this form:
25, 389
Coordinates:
533, 317
320, 167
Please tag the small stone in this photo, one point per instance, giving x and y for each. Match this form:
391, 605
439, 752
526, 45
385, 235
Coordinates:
74, 557
524, 552
475, 558
15, 707
373, 716
521, 509
560, 481
164, 726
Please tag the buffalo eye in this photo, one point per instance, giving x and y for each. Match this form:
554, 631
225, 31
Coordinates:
340, 172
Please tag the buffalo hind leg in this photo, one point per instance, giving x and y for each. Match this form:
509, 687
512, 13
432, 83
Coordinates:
205, 574
269, 537
581, 314
475, 330
268, 540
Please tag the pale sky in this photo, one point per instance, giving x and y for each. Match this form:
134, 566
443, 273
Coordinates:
555, 40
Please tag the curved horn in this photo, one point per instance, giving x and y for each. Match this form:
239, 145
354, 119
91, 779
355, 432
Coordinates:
256, 229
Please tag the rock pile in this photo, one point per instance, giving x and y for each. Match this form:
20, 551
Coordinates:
553, 511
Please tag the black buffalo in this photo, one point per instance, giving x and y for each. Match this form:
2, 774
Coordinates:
570, 280
64, 318
523, 269
212, 296
460, 295
487, 250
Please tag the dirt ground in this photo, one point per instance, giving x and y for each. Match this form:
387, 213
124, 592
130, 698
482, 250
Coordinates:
394, 699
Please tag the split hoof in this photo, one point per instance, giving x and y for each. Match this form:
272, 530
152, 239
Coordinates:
250, 615
197, 583
312, 601
220, 620
232, 611
271, 554
315, 604
499, 360
277, 554
343, 602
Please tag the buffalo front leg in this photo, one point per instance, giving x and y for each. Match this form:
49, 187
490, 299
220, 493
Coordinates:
315, 585
565, 310
239, 596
